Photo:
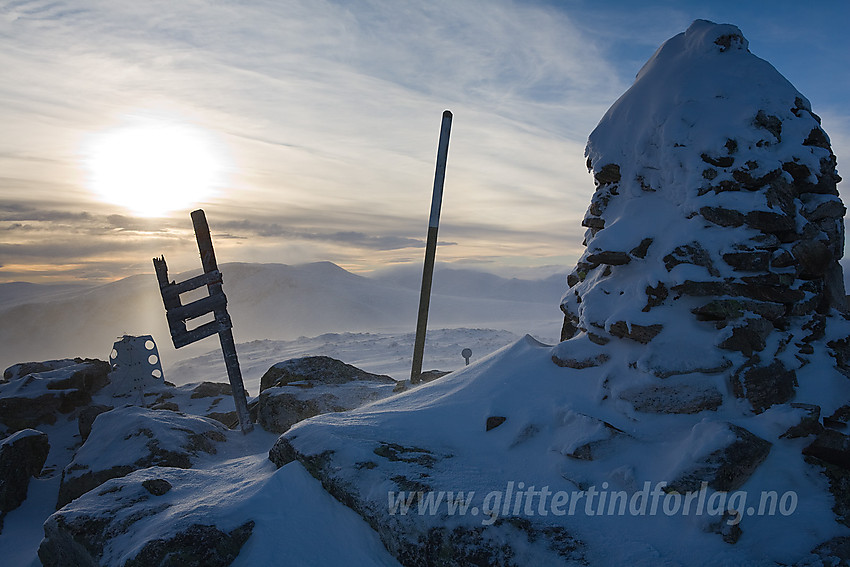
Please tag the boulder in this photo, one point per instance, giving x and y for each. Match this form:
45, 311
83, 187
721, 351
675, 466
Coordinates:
415, 542
279, 408
686, 397
37, 398
839, 418
137, 438
748, 336
22, 456
764, 386
578, 364
579, 353
300, 388
610, 258
156, 486
211, 390
313, 370
726, 468
639, 333
150, 517
831, 447
86, 418
199, 544
809, 422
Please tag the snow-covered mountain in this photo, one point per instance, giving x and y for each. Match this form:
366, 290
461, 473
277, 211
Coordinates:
464, 282
266, 301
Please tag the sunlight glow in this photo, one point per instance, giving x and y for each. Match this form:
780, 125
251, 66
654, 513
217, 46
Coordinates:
154, 166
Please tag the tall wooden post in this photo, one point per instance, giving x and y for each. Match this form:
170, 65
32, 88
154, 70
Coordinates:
225, 337
216, 303
431, 248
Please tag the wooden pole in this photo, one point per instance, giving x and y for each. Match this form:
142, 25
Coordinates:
228, 345
431, 248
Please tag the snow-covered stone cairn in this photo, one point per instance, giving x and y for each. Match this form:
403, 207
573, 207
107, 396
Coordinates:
714, 233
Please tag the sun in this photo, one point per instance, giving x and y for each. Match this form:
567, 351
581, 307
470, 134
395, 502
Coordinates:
152, 166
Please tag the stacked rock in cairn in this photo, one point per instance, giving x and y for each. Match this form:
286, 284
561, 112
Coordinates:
714, 233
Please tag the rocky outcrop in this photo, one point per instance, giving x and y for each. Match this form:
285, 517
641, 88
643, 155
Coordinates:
727, 467
196, 545
137, 438
86, 418
417, 543
138, 520
37, 392
834, 553
211, 390
312, 370
22, 456
296, 389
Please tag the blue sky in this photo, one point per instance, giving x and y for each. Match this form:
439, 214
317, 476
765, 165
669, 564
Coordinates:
325, 117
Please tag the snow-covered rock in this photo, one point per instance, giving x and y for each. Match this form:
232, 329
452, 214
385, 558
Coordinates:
36, 393
309, 371
137, 438
22, 456
235, 511
299, 388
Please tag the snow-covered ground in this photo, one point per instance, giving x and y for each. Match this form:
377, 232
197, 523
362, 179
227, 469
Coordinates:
379, 353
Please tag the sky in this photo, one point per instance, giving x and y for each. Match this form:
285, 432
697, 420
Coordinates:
307, 129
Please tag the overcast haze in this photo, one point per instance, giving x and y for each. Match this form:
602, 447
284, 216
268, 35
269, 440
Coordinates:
323, 118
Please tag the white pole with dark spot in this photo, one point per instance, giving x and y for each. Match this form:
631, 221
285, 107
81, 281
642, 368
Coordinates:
431, 248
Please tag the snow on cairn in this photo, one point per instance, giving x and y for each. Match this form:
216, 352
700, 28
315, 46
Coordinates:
693, 412
714, 234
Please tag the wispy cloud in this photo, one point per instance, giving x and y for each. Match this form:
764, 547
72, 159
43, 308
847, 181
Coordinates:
329, 111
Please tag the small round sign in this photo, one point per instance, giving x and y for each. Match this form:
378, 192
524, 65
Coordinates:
466, 354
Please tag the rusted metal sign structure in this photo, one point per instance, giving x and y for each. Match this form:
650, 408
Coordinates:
216, 303
431, 248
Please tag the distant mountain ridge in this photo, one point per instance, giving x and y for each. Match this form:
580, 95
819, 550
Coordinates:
16, 293
266, 301
465, 282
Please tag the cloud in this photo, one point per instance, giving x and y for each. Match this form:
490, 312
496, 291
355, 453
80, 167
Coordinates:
247, 229
329, 111
328, 108
10, 212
